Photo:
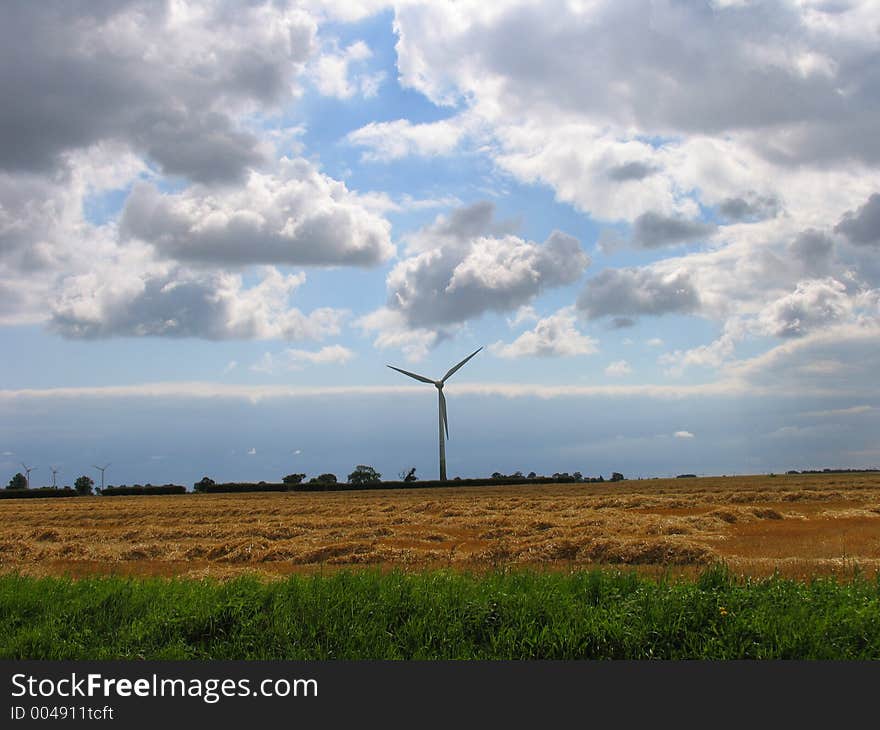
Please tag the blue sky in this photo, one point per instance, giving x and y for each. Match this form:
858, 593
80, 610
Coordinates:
219, 222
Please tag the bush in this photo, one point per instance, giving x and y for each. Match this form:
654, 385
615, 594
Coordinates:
83, 485
363, 474
244, 487
293, 479
616, 476
323, 479
42, 492
137, 489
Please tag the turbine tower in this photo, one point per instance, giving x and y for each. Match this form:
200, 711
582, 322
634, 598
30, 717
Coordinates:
444, 424
101, 469
54, 472
27, 473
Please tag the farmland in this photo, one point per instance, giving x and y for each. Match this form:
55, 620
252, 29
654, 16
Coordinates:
797, 525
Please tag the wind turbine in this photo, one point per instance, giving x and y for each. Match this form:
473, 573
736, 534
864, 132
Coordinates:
54, 472
27, 473
101, 469
444, 424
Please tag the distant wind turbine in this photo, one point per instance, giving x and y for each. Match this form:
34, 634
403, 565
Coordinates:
27, 473
101, 469
54, 472
444, 424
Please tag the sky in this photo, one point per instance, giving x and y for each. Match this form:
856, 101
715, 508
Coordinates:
220, 221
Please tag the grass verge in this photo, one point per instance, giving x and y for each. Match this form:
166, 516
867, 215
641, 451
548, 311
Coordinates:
598, 614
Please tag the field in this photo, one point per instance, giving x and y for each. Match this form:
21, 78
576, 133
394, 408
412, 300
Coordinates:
796, 525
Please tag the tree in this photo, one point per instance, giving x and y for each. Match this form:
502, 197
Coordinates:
83, 485
293, 478
19, 481
364, 474
323, 479
616, 476
203, 484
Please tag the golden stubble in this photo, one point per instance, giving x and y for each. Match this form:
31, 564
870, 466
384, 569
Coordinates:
798, 525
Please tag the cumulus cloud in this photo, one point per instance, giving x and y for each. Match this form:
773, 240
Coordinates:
813, 303
179, 303
296, 216
634, 292
553, 336
683, 435
294, 359
465, 268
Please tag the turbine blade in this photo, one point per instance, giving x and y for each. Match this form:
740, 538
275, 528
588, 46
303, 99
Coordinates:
452, 370
443, 413
413, 375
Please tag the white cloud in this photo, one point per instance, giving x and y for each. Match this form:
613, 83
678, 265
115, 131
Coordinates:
294, 359
683, 435
835, 412
713, 355
252, 452
618, 369
331, 72
812, 304
391, 331
256, 393
553, 336
386, 141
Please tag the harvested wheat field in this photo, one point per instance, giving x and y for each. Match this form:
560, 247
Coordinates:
800, 525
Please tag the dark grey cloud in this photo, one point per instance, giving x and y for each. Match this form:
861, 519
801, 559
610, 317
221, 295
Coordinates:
75, 73
862, 227
652, 230
619, 323
204, 147
631, 171
749, 208
466, 268
635, 292
814, 251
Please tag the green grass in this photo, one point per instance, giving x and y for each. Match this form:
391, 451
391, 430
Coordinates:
440, 615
